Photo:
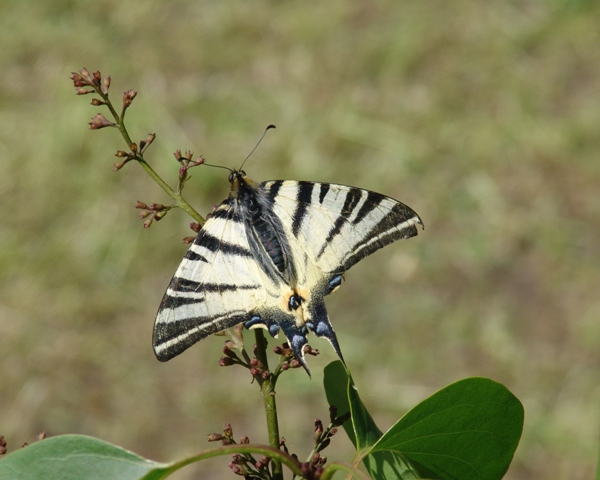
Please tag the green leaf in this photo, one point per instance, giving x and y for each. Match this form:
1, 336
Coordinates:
468, 430
362, 430
335, 381
73, 457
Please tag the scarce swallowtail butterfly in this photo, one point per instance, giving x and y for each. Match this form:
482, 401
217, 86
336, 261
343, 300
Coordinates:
267, 257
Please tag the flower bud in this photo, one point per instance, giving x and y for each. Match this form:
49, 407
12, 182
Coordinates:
159, 215
148, 222
96, 78
238, 469
195, 227
188, 240
78, 81
141, 205
119, 166
244, 440
214, 437
228, 431
183, 171
177, 155
225, 361
144, 144
105, 85
96, 102
100, 121
144, 214
121, 154
229, 353
318, 427
84, 91
128, 97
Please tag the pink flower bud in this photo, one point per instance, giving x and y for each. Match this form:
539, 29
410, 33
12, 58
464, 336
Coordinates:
84, 91
105, 85
188, 240
100, 121
225, 362
128, 97
96, 78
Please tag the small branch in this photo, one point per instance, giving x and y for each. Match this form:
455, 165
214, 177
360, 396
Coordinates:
100, 86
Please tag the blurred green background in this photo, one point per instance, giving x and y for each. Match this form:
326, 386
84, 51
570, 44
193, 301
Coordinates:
482, 116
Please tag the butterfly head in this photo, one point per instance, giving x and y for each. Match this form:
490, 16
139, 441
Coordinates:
236, 176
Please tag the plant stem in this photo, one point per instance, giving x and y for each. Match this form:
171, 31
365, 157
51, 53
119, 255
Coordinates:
267, 387
179, 200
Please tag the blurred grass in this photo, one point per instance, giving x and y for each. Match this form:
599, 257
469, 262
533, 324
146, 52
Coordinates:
482, 117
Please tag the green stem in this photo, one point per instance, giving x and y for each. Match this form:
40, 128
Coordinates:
181, 203
267, 388
282, 457
179, 200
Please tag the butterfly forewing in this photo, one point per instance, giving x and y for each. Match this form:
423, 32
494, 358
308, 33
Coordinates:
338, 225
217, 285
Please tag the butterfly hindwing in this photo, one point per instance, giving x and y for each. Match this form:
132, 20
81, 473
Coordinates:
331, 227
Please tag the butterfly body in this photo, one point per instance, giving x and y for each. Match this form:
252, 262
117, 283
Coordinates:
267, 257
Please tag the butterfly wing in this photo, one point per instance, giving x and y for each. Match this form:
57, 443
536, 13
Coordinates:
217, 285
331, 227
268, 256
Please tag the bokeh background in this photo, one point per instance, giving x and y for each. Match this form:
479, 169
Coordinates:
482, 116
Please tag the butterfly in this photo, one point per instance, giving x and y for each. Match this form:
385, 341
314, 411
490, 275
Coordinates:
267, 257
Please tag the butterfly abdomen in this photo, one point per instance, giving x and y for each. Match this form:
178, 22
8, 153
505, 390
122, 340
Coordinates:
268, 239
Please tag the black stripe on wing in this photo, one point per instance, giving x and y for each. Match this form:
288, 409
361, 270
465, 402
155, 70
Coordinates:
303, 198
214, 244
188, 285
186, 332
386, 231
353, 196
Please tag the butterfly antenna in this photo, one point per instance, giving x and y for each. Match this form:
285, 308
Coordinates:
269, 127
217, 166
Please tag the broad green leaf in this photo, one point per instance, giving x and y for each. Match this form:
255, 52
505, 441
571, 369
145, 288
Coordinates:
76, 457
362, 430
335, 381
468, 430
